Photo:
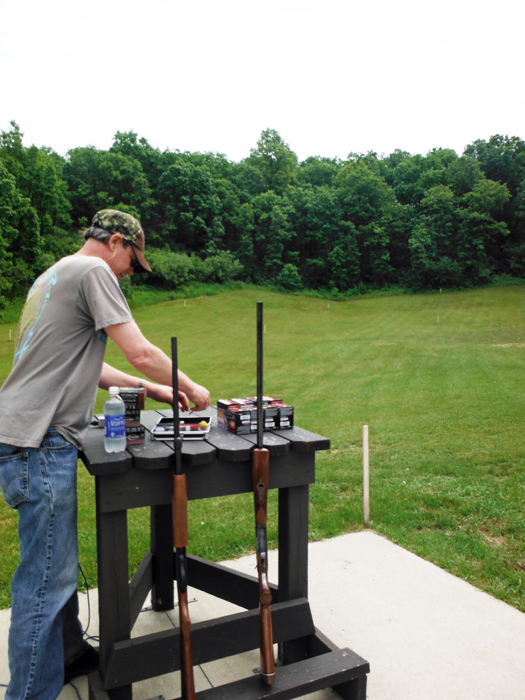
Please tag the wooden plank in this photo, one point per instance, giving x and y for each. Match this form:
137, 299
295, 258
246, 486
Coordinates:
113, 595
223, 478
229, 446
155, 454
139, 587
153, 655
293, 681
355, 689
139, 488
162, 595
276, 445
224, 583
97, 461
152, 455
303, 440
293, 559
135, 488
293, 542
96, 687
194, 452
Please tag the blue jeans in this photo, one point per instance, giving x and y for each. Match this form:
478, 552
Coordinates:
41, 484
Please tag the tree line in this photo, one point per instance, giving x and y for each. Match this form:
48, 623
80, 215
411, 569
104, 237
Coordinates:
370, 221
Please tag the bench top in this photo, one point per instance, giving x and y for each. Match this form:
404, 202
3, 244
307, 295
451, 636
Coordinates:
219, 445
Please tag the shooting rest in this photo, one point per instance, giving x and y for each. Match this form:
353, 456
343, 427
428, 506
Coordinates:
141, 476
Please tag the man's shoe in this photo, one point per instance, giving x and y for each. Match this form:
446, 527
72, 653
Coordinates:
86, 663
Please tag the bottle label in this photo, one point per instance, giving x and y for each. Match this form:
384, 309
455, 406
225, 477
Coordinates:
114, 426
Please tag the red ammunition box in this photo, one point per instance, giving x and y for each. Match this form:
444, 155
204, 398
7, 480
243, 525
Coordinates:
134, 432
286, 416
134, 400
267, 400
231, 403
242, 420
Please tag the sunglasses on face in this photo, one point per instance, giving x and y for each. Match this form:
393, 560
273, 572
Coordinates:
134, 262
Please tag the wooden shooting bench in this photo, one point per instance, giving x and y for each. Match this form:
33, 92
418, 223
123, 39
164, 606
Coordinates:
141, 476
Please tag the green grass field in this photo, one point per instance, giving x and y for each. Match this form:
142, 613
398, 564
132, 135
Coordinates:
438, 378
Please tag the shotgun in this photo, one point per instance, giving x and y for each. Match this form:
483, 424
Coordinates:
261, 474
179, 502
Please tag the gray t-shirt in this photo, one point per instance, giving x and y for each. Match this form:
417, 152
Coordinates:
59, 351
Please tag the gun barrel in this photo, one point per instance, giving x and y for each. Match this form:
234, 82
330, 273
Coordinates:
260, 417
261, 476
180, 539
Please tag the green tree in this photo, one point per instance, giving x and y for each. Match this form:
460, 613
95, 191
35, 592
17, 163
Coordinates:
192, 209
19, 238
272, 233
433, 244
369, 204
275, 160
481, 232
318, 171
38, 178
106, 180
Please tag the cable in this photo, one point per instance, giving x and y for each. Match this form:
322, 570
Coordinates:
85, 631
76, 690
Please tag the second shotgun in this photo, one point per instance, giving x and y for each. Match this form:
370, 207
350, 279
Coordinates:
261, 475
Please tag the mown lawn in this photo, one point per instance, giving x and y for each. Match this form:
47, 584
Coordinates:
438, 378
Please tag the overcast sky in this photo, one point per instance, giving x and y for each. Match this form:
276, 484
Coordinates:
332, 77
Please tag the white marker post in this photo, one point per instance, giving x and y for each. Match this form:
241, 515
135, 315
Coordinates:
366, 478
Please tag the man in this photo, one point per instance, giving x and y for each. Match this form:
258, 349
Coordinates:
46, 405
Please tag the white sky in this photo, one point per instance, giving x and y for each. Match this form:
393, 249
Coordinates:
332, 77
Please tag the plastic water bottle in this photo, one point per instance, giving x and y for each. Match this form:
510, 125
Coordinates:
114, 422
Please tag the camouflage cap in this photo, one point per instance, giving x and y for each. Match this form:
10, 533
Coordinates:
114, 221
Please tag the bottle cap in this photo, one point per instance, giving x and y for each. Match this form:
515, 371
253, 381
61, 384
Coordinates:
113, 390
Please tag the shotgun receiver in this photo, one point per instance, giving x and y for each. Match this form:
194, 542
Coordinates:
261, 474
180, 540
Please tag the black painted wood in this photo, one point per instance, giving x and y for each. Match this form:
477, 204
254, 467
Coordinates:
162, 594
350, 690
113, 588
222, 445
156, 654
222, 582
293, 681
142, 477
97, 461
152, 455
140, 586
138, 488
276, 445
293, 542
135, 488
229, 446
303, 440
96, 687
293, 559
194, 452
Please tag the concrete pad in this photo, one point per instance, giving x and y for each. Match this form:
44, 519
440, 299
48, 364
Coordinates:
426, 633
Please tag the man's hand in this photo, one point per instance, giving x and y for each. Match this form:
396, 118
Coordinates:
164, 394
199, 395
183, 401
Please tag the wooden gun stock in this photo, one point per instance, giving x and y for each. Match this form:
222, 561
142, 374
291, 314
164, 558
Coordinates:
261, 473
261, 476
180, 542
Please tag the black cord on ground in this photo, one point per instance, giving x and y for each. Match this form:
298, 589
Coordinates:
85, 632
75, 689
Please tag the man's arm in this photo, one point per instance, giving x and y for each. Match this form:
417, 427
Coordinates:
153, 363
111, 376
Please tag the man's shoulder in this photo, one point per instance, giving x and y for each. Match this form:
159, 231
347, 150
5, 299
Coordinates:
81, 263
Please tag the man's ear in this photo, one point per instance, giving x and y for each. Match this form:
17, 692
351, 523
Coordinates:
115, 239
